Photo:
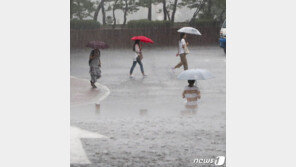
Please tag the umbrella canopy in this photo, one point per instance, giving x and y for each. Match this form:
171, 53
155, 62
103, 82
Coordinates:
97, 45
189, 30
195, 74
142, 39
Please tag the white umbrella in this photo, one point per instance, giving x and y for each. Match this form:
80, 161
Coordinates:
195, 74
189, 30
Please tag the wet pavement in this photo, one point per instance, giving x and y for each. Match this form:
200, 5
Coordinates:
82, 93
144, 119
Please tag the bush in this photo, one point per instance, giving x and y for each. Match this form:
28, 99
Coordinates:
203, 22
148, 24
84, 24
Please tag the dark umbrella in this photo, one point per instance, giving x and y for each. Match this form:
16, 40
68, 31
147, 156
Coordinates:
97, 45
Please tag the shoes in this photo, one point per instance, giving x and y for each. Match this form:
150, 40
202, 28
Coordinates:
173, 69
93, 84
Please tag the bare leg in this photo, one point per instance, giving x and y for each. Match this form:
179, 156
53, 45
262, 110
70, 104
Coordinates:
184, 61
179, 65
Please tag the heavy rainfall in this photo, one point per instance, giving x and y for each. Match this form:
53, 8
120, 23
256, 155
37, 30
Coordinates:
124, 115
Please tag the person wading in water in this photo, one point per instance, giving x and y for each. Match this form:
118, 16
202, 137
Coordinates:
192, 94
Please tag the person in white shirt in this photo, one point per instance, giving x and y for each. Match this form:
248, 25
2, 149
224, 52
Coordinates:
192, 94
137, 58
182, 51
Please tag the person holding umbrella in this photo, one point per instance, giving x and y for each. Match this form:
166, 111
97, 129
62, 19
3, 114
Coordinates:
182, 51
94, 66
138, 56
95, 61
183, 45
191, 92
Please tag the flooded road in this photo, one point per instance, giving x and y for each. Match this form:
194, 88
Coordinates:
144, 119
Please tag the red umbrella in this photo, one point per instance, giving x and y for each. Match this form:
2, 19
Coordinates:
97, 45
142, 39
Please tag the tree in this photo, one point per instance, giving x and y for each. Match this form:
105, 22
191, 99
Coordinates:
81, 9
174, 11
198, 5
219, 10
171, 7
116, 5
97, 11
206, 9
164, 9
125, 11
113, 6
71, 9
129, 7
103, 12
213, 10
109, 20
150, 10
147, 4
100, 6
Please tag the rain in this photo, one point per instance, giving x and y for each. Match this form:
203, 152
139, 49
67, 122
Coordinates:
143, 119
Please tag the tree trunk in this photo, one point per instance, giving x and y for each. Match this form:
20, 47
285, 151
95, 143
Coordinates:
71, 9
168, 15
113, 11
103, 12
164, 10
149, 10
208, 10
79, 12
114, 19
174, 11
125, 12
198, 9
221, 18
210, 7
97, 11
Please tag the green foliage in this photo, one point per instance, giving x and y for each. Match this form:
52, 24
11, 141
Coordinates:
120, 4
191, 4
132, 7
214, 9
113, 5
204, 22
84, 24
109, 20
206, 9
81, 9
148, 24
170, 5
146, 3
219, 10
